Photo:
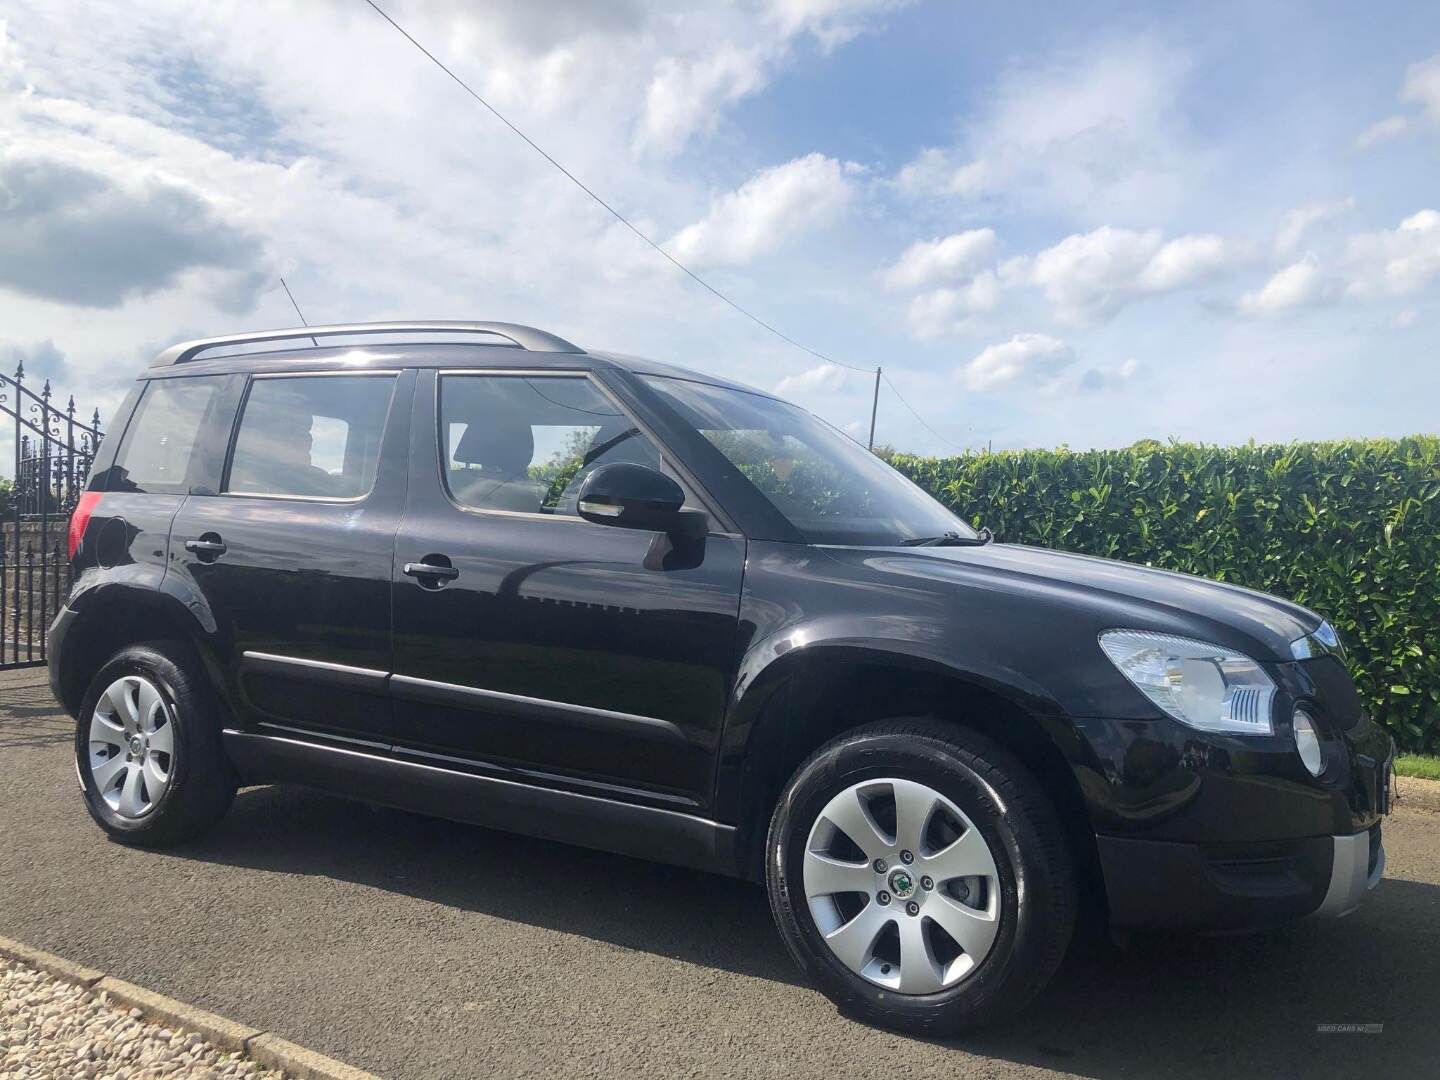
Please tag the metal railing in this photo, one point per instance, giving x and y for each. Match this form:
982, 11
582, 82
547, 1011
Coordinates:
53, 453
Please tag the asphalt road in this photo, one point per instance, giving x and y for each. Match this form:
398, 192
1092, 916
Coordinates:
418, 948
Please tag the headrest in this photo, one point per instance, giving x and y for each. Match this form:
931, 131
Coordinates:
502, 442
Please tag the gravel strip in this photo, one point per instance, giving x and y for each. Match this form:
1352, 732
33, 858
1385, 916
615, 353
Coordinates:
53, 1029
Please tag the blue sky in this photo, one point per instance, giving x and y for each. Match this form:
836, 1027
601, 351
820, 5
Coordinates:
1050, 223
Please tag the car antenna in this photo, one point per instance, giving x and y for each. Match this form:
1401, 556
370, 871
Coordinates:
297, 309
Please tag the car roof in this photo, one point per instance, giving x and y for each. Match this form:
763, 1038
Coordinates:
365, 348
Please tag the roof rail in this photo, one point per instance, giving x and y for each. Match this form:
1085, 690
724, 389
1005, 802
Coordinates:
524, 337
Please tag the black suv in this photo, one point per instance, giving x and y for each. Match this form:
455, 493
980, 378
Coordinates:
472, 570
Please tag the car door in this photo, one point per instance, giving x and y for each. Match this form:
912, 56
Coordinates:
292, 553
531, 641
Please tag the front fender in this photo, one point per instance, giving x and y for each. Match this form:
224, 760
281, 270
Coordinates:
899, 642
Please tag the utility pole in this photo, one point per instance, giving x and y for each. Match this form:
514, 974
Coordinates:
874, 408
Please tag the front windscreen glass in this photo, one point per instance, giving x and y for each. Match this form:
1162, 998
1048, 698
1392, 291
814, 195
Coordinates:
828, 486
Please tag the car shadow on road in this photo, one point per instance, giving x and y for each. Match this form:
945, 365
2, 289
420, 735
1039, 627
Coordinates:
1180, 1006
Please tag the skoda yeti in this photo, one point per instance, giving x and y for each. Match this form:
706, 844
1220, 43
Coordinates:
474, 571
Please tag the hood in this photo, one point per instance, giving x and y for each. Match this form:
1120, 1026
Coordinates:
1116, 594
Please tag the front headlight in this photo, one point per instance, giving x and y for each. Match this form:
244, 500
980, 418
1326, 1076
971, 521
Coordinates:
1206, 686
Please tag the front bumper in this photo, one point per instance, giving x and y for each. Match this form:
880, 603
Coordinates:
1356, 867
1156, 883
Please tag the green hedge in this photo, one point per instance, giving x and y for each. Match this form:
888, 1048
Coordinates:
1351, 529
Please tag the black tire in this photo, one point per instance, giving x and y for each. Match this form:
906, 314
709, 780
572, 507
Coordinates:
1037, 881
202, 781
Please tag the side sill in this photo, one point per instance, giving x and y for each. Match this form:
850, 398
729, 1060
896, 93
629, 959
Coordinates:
643, 832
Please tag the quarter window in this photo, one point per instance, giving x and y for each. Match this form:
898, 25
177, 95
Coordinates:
313, 436
525, 443
160, 439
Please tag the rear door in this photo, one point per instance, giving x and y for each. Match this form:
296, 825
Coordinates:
292, 553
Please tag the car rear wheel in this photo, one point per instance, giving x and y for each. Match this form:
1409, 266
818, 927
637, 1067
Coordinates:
918, 873
148, 749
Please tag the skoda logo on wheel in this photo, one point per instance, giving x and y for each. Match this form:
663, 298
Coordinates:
902, 884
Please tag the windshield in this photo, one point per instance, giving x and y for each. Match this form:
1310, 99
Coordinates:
828, 486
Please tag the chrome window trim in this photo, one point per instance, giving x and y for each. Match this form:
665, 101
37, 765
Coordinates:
357, 373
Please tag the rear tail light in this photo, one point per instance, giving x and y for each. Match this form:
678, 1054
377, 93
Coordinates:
81, 518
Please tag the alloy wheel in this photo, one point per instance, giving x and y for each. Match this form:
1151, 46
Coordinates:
132, 746
902, 886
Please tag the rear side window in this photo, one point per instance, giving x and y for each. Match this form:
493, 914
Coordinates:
311, 436
160, 438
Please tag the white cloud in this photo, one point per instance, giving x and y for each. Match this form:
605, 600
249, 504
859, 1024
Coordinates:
1095, 132
773, 206
687, 95
822, 377
1397, 262
1296, 223
939, 312
1107, 378
1422, 87
739, 51
1382, 131
932, 262
1027, 356
1301, 284
832, 22
1093, 275
934, 173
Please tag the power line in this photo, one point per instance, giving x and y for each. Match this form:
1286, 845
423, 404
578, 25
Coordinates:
923, 422
610, 209
756, 319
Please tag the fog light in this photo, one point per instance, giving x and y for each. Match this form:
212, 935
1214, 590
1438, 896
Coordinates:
1307, 741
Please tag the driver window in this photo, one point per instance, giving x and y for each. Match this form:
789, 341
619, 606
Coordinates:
525, 443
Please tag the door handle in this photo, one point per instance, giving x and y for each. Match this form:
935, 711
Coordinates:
208, 547
431, 570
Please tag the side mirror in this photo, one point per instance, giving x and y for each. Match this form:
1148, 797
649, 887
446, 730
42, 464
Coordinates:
637, 497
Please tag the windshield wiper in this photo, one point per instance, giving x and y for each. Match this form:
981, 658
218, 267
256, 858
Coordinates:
950, 539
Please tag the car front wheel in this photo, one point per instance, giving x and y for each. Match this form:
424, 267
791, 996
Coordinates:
920, 876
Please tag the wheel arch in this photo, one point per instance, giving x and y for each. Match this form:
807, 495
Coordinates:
813, 694
109, 615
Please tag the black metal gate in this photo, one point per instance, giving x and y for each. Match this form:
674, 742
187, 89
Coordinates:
53, 452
